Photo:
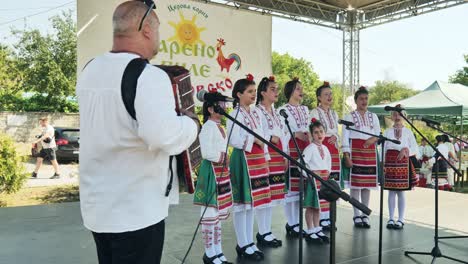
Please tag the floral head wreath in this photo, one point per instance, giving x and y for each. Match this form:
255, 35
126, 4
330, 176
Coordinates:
249, 77
271, 78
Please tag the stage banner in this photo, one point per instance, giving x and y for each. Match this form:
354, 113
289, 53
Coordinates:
218, 45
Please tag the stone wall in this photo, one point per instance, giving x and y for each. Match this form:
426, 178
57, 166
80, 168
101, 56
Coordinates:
24, 126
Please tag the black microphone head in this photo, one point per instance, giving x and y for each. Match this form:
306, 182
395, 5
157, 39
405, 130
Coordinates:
387, 108
201, 95
283, 113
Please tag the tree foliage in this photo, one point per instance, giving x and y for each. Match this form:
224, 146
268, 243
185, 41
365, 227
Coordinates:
461, 76
12, 171
389, 91
285, 67
42, 66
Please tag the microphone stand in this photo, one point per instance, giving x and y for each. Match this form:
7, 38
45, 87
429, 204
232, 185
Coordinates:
381, 141
334, 189
435, 252
301, 189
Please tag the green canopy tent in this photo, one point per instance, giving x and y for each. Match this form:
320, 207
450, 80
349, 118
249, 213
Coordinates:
441, 101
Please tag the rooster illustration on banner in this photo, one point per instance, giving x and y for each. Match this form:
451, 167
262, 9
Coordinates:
226, 63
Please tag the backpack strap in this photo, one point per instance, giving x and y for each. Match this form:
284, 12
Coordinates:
128, 90
129, 83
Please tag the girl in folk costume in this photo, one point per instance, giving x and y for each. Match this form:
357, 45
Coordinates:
399, 168
213, 190
329, 119
317, 158
360, 154
440, 166
249, 169
298, 117
452, 159
275, 131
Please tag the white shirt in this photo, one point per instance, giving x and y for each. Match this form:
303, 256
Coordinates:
442, 148
124, 164
405, 136
329, 120
369, 123
240, 138
273, 125
426, 151
212, 142
317, 157
298, 117
50, 132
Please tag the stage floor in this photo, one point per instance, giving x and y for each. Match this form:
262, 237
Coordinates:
54, 234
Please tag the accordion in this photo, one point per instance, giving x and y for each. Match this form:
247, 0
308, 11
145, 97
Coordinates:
190, 159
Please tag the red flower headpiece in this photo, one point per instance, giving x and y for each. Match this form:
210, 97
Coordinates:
314, 120
249, 77
326, 84
362, 88
295, 79
271, 78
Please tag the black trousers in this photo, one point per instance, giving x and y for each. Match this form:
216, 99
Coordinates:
142, 246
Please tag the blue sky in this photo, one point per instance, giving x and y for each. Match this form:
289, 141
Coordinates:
415, 51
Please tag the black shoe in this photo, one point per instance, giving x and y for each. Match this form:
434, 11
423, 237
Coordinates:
358, 224
365, 224
55, 176
224, 262
313, 240
257, 251
34, 175
242, 254
290, 232
323, 237
207, 260
399, 225
263, 242
391, 224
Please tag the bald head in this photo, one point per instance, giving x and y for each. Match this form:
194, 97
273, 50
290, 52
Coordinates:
126, 20
127, 17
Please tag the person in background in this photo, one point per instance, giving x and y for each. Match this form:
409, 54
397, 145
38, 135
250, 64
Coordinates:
47, 140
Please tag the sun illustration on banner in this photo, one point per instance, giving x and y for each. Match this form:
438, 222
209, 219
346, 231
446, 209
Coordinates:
187, 31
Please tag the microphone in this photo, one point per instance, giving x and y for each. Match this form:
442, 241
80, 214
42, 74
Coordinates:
395, 109
205, 96
283, 113
346, 123
430, 122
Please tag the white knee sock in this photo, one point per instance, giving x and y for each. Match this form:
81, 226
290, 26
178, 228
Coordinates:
401, 206
249, 222
295, 211
239, 219
268, 217
391, 204
356, 194
208, 240
262, 221
288, 208
260, 215
249, 229
365, 198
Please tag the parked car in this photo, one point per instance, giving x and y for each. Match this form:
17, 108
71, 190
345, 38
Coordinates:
68, 144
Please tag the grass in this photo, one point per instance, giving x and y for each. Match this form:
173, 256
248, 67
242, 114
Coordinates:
41, 195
